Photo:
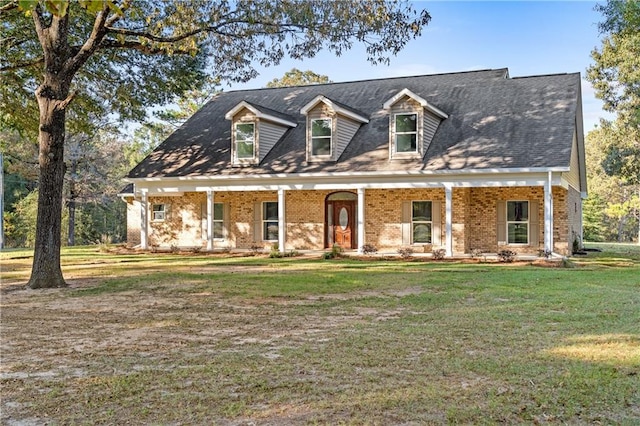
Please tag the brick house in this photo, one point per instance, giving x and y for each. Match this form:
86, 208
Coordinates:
462, 161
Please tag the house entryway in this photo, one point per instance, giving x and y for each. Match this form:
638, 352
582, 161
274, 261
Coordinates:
340, 214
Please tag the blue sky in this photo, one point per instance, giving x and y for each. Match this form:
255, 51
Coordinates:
528, 37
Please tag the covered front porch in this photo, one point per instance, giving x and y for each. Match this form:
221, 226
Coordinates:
465, 214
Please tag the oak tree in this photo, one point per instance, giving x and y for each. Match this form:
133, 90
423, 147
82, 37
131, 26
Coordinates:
122, 56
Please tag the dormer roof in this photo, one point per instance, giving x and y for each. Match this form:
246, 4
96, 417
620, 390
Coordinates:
335, 106
423, 102
263, 113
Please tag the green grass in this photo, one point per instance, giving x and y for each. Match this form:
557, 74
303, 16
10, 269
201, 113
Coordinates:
208, 339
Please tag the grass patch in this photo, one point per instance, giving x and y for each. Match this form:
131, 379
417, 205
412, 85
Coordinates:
164, 339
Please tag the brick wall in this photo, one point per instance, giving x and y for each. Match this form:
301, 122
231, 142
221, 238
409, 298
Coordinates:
383, 215
483, 217
133, 222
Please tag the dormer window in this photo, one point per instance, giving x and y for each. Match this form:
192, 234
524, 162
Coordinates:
245, 141
321, 137
330, 127
412, 124
254, 131
406, 134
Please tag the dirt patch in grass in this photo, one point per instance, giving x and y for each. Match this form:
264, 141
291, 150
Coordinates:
204, 340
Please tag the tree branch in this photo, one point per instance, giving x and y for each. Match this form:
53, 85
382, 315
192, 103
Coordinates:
8, 6
21, 65
91, 45
115, 44
63, 104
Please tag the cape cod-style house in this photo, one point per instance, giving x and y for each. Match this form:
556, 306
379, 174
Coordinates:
462, 161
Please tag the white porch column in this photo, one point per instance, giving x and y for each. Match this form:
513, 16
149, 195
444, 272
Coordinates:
210, 195
448, 218
282, 228
144, 221
360, 219
548, 215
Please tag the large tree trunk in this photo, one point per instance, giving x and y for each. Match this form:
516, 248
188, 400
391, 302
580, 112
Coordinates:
52, 101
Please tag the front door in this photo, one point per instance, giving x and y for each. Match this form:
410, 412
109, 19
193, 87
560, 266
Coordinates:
343, 218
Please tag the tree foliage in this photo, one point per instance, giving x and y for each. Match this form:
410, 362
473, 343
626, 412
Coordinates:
612, 210
122, 56
615, 75
295, 77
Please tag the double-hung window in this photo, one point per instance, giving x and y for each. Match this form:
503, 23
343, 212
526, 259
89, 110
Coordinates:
158, 212
218, 221
406, 133
517, 222
244, 139
270, 221
321, 137
421, 222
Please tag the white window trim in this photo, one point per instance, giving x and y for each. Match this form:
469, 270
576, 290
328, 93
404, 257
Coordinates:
422, 221
265, 221
154, 217
527, 222
218, 221
236, 158
395, 133
311, 137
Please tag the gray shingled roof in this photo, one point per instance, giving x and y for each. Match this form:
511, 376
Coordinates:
494, 122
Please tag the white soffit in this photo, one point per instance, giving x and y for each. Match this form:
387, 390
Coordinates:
259, 114
337, 108
423, 102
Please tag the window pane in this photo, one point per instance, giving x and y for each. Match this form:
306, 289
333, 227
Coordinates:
245, 149
406, 143
422, 211
517, 211
518, 233
406, 123
421, 232
321, 128
270, 211
270, 230
244, 132
321, 146
218, 230
218, 211
158, 207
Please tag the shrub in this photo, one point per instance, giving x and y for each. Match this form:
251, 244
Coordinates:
255, 248
196, 249
336, 251
405, 252
275, 251
506, 256
174, 248
438, 254
369, 249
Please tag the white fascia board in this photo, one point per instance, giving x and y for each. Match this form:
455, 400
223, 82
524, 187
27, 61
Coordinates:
345, 181
423, 102
259, 114
338, 109
401, 174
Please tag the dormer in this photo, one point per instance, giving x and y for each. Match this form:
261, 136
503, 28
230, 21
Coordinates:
330, 127
412, 124
254, 131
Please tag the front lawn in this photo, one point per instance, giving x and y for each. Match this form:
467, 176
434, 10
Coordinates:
210, 339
